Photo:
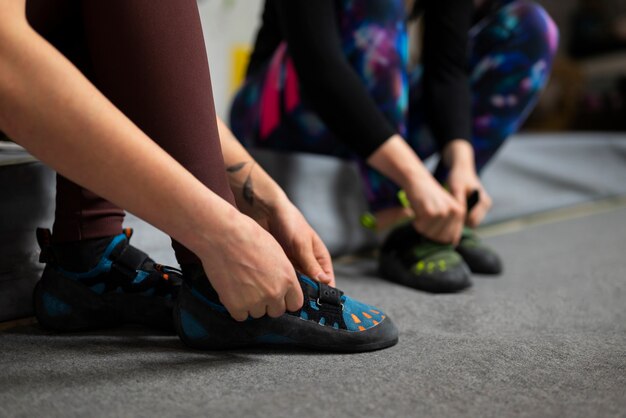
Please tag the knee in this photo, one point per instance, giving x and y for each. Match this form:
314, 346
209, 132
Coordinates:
535, 24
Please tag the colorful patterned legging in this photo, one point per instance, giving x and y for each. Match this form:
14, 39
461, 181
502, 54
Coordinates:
511, 53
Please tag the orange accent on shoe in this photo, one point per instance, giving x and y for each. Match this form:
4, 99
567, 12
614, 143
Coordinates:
383, 317
375, 322
356, 319
361, 328
128, 232
368, 316
166, 276
376, 312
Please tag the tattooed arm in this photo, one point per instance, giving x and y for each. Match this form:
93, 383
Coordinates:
256, 193
259, 197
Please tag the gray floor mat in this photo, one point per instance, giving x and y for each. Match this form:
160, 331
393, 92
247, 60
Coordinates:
539, 172
548, 338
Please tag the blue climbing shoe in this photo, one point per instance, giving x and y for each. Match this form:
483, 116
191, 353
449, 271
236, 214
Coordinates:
122, 286
328, 321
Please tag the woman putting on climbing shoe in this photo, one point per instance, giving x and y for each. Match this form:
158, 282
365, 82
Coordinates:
332, 77
116, 96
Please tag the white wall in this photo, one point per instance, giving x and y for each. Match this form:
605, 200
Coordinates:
227, 23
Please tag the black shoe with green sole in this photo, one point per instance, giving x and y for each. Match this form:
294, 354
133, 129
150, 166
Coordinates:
408, 258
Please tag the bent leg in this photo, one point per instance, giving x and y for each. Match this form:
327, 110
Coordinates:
150, 60
511, 54
79, 214
511, 58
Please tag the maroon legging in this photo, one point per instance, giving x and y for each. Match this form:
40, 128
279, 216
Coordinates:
149, 58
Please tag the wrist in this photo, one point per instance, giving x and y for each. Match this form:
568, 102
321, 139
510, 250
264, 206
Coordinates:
268, 207
273, 199
397, 160
209, 222
255, 191
459, 155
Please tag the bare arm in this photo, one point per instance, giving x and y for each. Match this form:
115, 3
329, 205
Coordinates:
259, 197
51, 109
255, 191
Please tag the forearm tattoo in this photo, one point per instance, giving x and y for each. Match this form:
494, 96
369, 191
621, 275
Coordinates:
247, 186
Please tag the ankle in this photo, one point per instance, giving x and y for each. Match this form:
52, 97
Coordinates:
391, 217
80, 256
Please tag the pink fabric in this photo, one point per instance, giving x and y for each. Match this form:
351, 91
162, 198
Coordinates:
270, 114
292, 91
270, 103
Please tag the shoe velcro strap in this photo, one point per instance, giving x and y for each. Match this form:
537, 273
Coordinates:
472, 200
329, 295
129, 261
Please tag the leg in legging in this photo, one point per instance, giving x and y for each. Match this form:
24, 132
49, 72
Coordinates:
150, 61
511, 53
79, 214
511, 59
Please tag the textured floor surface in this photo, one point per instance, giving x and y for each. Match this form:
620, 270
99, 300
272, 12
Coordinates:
548, 338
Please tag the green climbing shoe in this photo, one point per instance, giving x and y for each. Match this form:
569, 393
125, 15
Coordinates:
412, 260
480, 258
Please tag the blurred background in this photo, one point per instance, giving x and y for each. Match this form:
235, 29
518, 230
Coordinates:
570, 151
587, 90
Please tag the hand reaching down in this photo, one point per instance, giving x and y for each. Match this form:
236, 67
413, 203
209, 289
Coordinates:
463, 183
301, 243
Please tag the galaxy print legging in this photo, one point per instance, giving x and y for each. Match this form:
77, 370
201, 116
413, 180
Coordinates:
511, 54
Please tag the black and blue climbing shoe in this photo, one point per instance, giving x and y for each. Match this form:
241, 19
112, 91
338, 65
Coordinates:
102, 283
328, 321
408, 258
479, 257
